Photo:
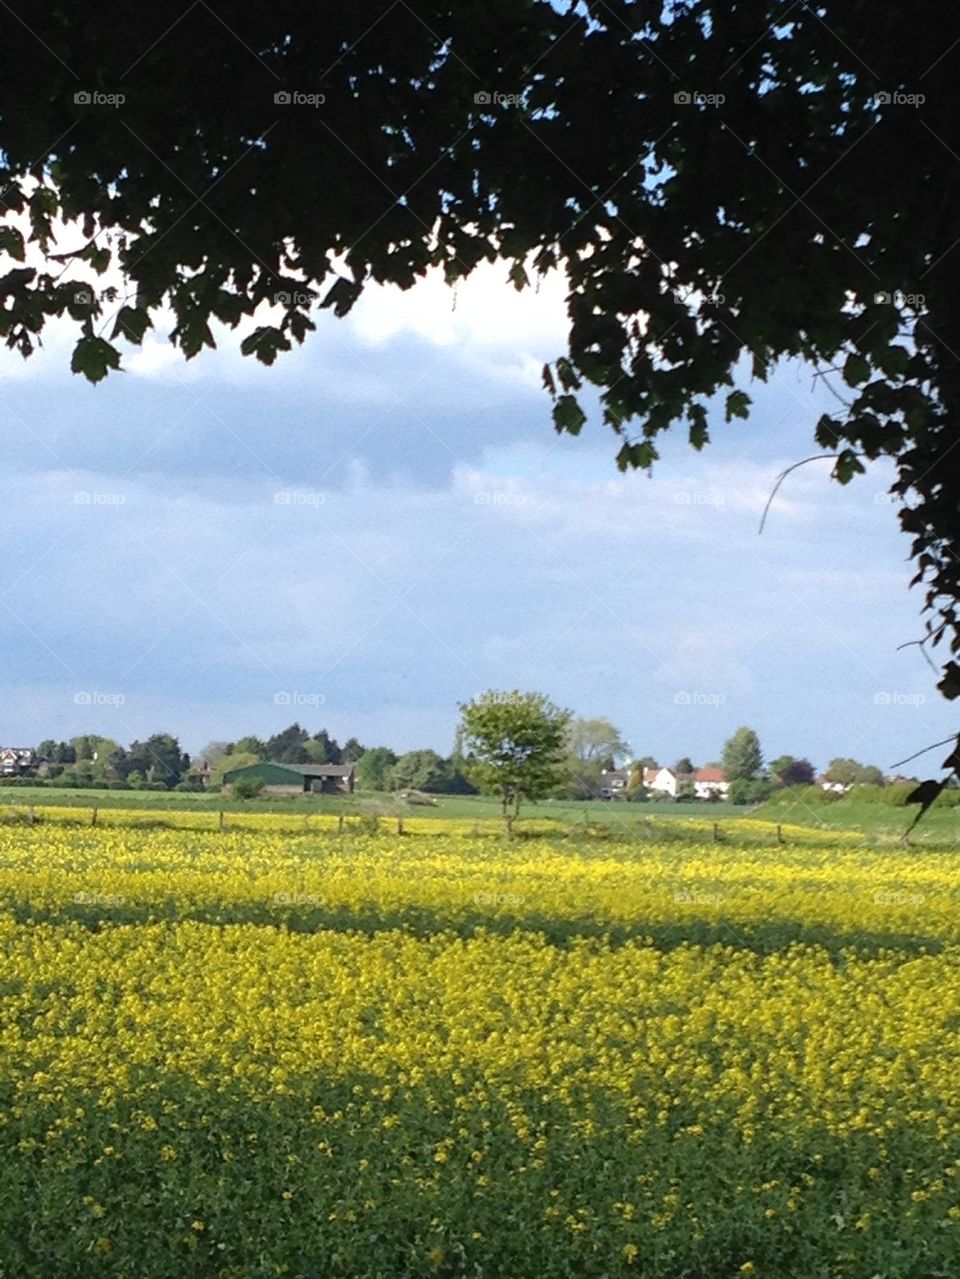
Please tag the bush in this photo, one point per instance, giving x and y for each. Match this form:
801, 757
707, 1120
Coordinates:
791, 796
247, 787
119, 784
752, 790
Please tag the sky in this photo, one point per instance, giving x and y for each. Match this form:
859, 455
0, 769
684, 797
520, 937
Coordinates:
385, 523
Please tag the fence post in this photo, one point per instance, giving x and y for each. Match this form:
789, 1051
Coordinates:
779, 834
30, 817
220, 823
340, 824
716, 833
93, 817
399, 825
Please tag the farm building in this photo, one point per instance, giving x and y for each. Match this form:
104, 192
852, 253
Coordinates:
296, 779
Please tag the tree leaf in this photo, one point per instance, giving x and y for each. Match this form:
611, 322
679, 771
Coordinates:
131, 324
856, 370
568, 415
738, 405
94, 358
11, 242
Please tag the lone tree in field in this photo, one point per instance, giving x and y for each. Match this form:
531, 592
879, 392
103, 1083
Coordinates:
515, 746
722, 186
742, 758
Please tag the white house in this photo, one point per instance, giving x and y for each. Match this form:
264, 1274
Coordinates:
838, 788
709, 783
663, 781
705, 783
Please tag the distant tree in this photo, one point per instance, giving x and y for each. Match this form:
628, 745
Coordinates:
373, 767
47, 750
645, 761
593, 745
419, 770
742, 757
158, 759
236, 759
843, 770
684, 765
596, 741
870, 775
249, 746
788, 771
213, 753
289, 746
351, 751
749, 790
516, 744
323, 749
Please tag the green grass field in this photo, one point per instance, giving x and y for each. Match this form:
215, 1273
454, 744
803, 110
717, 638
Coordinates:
880, 823
477, 807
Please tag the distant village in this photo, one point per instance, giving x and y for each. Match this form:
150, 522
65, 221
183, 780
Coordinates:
294, 762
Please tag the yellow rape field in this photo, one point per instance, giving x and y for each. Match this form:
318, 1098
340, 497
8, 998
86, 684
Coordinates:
256, 1053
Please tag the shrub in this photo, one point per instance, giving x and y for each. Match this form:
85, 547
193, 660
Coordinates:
808, 796
752, 790
248, 787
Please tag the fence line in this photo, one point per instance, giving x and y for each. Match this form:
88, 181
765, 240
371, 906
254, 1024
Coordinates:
220, 821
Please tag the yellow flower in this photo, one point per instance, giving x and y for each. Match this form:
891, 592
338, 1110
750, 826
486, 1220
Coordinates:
630, 1253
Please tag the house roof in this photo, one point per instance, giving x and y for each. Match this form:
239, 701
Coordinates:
710, 775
